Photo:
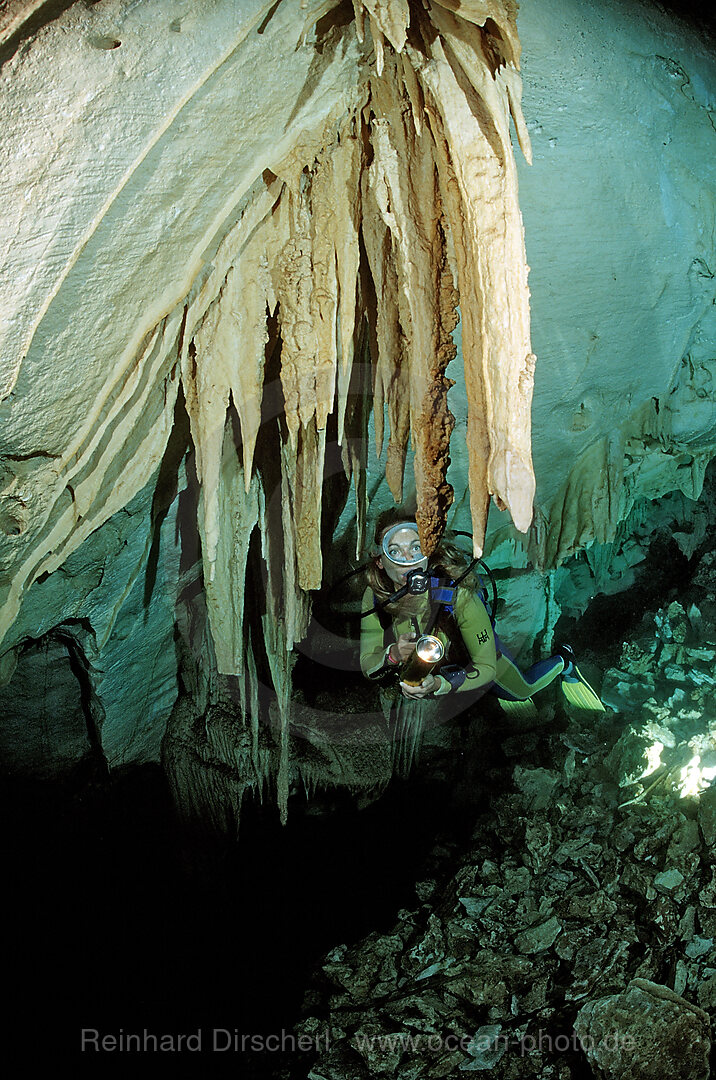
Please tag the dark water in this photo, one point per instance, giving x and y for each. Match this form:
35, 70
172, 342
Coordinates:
118, 920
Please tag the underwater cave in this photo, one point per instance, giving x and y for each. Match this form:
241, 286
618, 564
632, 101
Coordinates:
332, 330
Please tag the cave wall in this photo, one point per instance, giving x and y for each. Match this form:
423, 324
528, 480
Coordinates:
99, 632
128, 209
622, 251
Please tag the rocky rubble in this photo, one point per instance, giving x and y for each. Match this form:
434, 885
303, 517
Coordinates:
577, 933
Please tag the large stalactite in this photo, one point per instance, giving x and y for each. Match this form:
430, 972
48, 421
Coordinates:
422, 173
356, 244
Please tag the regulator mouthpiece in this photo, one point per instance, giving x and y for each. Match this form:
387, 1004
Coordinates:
417, 582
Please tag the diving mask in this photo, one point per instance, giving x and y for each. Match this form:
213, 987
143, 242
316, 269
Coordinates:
401, 547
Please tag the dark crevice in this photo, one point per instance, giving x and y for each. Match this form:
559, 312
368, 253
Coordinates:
30, 26
199, 933
341, 15
697, 13
262, 28
610, 619
196, 932
166, 489
91, 706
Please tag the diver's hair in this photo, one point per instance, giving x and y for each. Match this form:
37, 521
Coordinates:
446, 561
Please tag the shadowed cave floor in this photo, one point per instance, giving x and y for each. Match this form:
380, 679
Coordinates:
118, 920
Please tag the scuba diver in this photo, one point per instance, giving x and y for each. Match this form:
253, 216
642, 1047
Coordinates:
421, 619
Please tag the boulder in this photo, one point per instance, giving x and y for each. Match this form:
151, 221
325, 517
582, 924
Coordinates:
645, 1033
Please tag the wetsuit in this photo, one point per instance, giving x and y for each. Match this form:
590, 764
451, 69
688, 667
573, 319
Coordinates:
490, 666
472, 620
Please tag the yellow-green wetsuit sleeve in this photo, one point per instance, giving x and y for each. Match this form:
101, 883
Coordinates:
474, 625
372, 647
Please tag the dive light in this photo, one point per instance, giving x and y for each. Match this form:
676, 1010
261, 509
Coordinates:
428, 652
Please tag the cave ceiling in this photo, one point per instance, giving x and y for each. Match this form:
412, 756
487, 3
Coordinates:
290, 235
346, 218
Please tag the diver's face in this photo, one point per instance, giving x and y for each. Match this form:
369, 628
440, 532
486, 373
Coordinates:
401, 555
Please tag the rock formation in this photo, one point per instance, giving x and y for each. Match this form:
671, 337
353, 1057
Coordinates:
391, 194
264, 273
235, 249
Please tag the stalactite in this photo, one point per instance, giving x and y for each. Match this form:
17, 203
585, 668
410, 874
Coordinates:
495, 18
422, 180
391, 18
286, 609
409, 201
391, 373
248, 286
347, 165
500, 269
250, 702
225, 590
355, 240
355, 441
427, 200
478, 181
315, 280
208, 383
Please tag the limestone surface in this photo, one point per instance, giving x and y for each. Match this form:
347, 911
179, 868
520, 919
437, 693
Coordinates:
204, 220
262, 221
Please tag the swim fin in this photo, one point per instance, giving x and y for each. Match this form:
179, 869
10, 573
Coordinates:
521, 710
575, 687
